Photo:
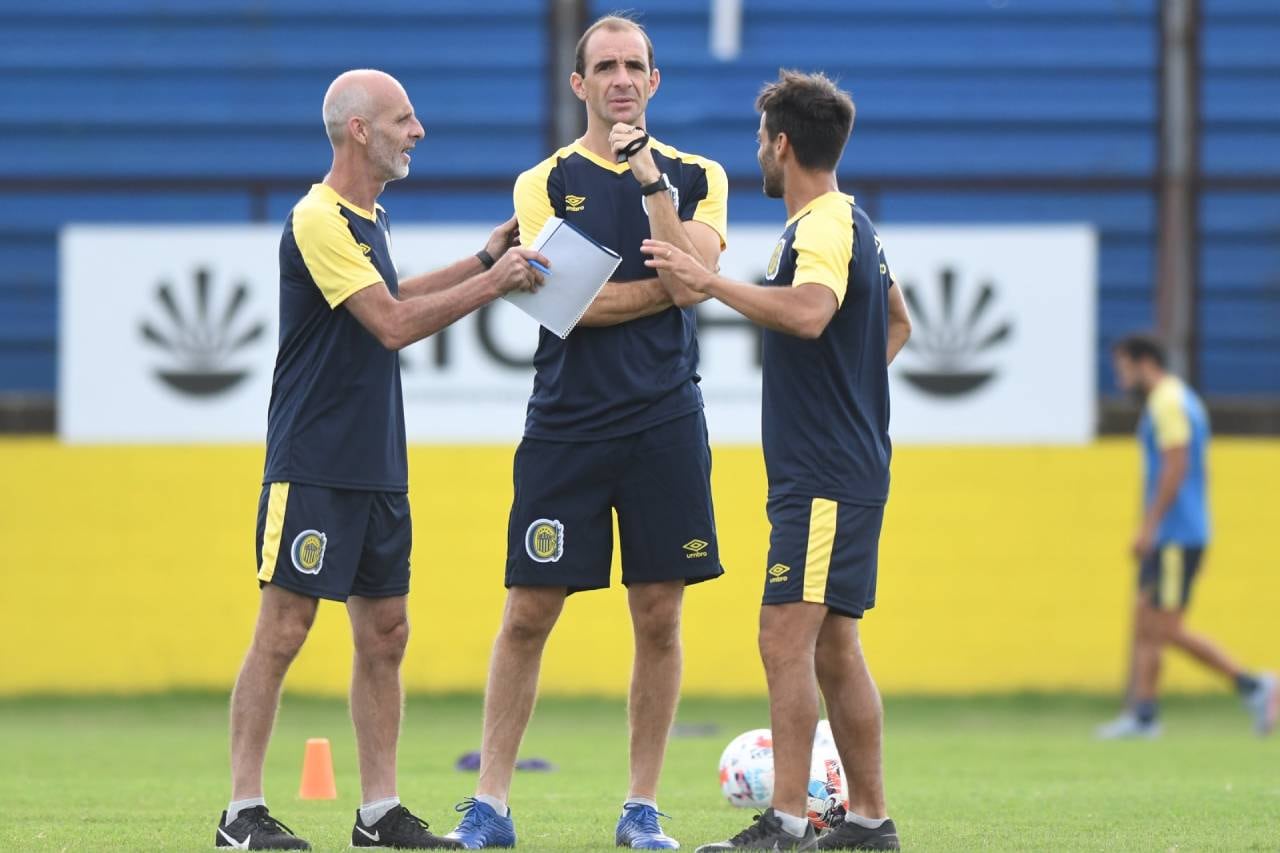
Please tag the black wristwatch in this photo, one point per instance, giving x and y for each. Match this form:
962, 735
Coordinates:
485, 258
663, 183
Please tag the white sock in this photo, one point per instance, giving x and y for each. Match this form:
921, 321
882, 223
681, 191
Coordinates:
499, 806
792, 824
236, 806
371, 813
867, 822
640, 801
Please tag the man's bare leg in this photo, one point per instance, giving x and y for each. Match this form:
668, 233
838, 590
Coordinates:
284, 619
1205, 651
855, 712
380, 629
1131, 676
1155, 628
788, 637
530, 614
655, 679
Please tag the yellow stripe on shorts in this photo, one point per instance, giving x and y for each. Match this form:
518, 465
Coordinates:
272, 532
822, 540
1171, 574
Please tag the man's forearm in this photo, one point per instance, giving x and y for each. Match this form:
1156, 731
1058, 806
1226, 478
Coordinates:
665, 225
776, 308
620, 301
422, 316
898, 335
1166, 492
441, 279
899, 321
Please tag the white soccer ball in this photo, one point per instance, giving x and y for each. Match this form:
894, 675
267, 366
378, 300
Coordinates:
746, 774
746, 769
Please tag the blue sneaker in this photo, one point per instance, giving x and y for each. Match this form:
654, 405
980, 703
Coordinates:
482, 827
638, 829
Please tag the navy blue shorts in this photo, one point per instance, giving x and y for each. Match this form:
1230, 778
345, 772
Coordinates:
824, 552
334, 543
659, 481
1168, 573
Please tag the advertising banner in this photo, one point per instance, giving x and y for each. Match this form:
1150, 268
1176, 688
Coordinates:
168, 334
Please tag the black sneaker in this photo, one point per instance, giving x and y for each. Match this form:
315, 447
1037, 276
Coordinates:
256, 829
850, 836
765, 833
400, 829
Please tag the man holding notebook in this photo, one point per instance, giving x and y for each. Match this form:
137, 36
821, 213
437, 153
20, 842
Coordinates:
614, 424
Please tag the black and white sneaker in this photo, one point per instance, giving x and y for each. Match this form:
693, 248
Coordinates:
399, 829
256, 829
850, 836
765, 833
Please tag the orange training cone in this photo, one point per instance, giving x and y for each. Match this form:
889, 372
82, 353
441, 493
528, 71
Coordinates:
317, 771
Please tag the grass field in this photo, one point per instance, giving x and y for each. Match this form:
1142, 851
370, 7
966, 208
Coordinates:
1015, 773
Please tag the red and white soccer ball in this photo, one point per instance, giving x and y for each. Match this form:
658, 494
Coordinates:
746, 774
828, 795
746, 769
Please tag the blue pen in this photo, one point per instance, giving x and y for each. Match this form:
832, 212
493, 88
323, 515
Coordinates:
537, 266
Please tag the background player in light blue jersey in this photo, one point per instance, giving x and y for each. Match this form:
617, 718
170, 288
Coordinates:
1169, 547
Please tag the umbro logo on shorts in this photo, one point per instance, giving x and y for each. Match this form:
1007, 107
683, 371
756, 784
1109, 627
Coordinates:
696, 548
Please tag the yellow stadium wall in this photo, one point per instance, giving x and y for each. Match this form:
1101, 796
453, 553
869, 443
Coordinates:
132, 569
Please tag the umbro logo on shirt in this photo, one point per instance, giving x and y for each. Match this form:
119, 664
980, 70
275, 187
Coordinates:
574, 203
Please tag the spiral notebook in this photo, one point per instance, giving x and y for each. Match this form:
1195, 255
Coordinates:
580, 267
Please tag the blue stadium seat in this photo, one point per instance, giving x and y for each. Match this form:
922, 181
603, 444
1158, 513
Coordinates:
215, 95
1239, 303
215, 107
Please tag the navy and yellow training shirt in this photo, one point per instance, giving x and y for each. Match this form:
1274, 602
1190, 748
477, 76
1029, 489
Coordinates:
825, 414
336, 417
606, 382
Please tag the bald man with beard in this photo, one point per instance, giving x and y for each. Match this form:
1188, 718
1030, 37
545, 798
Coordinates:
333, 517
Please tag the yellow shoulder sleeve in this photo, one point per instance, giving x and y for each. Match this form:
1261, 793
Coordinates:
714, 209
1169, 415
331, 253
824, 248
533, 205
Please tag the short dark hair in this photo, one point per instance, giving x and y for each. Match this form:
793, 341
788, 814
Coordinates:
814, 113
615, 21
1140, 347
